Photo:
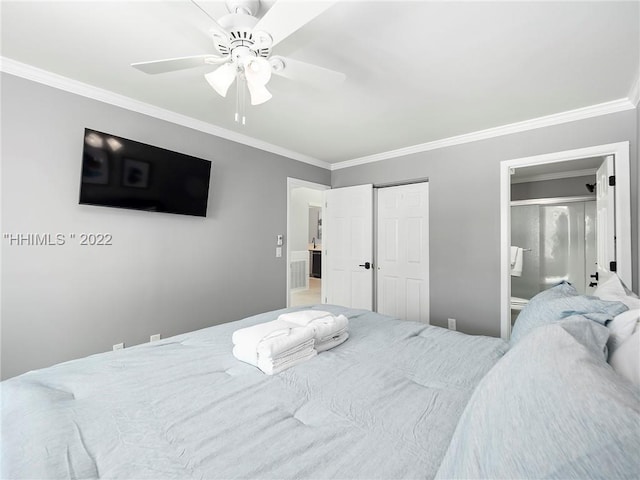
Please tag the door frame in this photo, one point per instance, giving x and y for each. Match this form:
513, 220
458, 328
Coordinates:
293, 183
620, 150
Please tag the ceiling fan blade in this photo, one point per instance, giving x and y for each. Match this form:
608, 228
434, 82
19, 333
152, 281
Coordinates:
216, 28
180, 63
306, 72
287, 16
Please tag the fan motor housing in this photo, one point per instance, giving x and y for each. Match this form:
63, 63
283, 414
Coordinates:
249, 7
240, 27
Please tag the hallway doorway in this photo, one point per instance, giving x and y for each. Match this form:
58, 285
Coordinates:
304, 242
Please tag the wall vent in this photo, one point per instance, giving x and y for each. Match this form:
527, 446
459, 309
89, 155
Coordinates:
299, 270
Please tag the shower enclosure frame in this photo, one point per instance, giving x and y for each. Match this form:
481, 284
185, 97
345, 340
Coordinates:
552, 201
620, 151
585, 238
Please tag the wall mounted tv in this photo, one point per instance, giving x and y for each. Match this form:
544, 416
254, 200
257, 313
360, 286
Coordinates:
122, 173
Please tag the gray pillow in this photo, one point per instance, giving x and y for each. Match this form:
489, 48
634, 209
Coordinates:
560, 302
550, 408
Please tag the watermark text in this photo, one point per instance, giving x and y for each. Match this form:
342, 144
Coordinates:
57, 239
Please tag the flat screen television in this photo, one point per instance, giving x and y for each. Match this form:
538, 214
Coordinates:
122, 173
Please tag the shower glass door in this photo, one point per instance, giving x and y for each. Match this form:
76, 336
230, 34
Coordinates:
559, 243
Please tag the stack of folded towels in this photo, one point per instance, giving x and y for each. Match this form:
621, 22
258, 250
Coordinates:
328, 330
291, 339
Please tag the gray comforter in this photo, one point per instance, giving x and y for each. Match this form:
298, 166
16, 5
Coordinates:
382, 405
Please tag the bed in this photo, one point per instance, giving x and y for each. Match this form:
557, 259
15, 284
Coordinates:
397, 400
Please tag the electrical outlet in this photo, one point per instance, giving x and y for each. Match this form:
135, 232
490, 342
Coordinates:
154, 338
118, 346
452, 323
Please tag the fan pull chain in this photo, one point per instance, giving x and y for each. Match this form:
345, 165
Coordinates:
240, 99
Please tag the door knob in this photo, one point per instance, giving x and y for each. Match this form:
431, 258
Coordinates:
595, 276
366, 265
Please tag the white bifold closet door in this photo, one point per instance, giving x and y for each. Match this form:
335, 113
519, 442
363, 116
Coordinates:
403, 252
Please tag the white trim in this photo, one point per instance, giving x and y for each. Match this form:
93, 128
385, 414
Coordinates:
555, 176
634, 92
553, 201
60, 82
623, 214
614, 106
291, 184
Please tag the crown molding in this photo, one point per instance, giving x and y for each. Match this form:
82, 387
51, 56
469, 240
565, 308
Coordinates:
60, 82
614, 106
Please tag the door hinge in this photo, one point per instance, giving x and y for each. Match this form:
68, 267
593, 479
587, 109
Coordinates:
613, 267
612, 181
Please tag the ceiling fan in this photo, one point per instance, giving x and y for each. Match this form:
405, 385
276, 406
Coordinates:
243, 45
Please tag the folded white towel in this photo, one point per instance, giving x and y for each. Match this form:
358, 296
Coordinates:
272, 339
304, 317
272, 366
252, 336
274, 346
328, 329
256, 333
329, 343
250, 355
280, 344
517, 254
277, 366
292, 338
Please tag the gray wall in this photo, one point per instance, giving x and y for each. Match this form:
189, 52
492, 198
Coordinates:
464, 202
170, 274
164, 273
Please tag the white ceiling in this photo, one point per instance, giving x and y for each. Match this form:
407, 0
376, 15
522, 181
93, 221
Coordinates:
417, 71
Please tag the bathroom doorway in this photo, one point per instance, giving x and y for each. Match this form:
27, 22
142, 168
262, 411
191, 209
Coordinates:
613, 212
304, 242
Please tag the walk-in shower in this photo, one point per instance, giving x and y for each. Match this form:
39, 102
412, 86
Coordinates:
558, 241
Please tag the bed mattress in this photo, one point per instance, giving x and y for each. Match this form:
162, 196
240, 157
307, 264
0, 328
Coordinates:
382, 405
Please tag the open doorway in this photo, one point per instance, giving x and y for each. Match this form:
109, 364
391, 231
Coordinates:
553, 229
612, 234
304, 242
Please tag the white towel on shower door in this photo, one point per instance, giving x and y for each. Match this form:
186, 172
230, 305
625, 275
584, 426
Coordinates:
516, 261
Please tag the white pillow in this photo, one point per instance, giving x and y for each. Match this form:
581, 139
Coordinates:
613, 289
622, 327
626, 359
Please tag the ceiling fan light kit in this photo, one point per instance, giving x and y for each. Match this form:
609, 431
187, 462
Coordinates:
243, 43
222, 78
259, 94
